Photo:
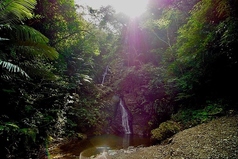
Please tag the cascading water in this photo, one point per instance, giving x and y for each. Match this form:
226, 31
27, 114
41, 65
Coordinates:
104, 75
125, 118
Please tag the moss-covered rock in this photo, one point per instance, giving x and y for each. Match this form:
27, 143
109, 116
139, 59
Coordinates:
165, 130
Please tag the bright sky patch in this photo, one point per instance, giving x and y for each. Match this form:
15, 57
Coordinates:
132, 8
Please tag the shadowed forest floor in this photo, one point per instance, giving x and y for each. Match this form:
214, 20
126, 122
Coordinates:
217, 139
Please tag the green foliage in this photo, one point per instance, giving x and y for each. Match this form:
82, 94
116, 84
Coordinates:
14, 135
16, 10
191, 117
87, 110
11, 68
25, 117
22, 43
198, 59
192, 36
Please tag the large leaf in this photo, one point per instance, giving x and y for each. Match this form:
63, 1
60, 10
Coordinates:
31, 41
12, 68
39, 49
16, 10
26, 33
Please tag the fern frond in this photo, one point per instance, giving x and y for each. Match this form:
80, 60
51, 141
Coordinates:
36, 49
26, 33
16, 10
12, 68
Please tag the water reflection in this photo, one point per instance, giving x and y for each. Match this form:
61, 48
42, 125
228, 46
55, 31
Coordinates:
111, 141
126, 141
107, 142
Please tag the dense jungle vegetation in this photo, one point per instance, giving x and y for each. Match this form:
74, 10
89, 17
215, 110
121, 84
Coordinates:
183, 52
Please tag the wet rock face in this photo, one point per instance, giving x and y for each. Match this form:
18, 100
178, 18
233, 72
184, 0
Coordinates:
139, 103
139, 99
140, 125
140, 113
141, 119
142, 98
116, 126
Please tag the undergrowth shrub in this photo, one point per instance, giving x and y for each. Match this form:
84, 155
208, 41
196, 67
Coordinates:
165, 130
189, 117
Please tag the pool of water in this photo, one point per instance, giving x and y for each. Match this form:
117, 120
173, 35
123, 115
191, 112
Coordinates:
98, 144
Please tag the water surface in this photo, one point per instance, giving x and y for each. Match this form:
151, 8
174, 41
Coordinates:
98, 144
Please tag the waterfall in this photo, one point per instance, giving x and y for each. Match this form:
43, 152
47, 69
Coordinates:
125, 118
104, 75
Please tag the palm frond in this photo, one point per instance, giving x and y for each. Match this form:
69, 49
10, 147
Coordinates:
16, 10
12, 68
38, 49
26, 33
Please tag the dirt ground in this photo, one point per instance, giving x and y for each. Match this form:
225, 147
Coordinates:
217, 139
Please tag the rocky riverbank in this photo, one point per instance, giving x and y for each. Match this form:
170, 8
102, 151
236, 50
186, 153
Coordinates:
217, 139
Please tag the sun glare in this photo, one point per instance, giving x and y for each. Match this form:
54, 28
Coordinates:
132, 8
